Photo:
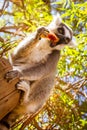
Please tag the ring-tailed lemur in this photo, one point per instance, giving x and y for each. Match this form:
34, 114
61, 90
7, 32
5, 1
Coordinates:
34, 61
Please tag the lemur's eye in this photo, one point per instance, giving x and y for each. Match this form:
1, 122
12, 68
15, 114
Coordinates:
61, 30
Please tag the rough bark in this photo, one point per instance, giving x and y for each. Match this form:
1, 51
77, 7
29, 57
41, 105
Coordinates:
9, 95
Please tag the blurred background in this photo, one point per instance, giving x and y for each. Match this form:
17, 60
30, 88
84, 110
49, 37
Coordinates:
66, 109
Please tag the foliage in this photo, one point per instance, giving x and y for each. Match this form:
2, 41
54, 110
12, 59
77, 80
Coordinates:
17, 20
67, 107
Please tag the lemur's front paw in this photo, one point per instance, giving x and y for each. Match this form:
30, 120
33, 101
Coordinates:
42, 32
11, 75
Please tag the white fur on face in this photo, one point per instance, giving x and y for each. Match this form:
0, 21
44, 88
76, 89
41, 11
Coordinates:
67, 32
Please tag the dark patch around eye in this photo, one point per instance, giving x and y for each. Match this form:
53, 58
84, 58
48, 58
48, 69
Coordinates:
61, 30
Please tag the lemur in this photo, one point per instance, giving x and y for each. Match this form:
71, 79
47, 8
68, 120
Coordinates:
34, 61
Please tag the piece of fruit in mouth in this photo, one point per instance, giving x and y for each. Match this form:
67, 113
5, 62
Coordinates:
51, 36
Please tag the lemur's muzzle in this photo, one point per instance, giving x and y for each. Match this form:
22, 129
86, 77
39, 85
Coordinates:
62, 40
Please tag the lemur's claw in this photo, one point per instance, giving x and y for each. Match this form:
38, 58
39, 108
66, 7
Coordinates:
11, 75
42, 32
42, 29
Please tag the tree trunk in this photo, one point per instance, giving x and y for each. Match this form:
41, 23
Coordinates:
9, 95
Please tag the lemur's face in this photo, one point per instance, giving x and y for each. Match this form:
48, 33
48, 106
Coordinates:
62, 31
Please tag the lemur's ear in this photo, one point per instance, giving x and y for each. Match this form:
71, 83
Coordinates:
57, 19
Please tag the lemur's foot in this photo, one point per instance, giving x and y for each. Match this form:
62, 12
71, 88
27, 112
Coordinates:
42, 32
11, 75
25, 87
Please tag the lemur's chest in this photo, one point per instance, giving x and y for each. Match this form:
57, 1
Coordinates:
38, 55
40, 52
